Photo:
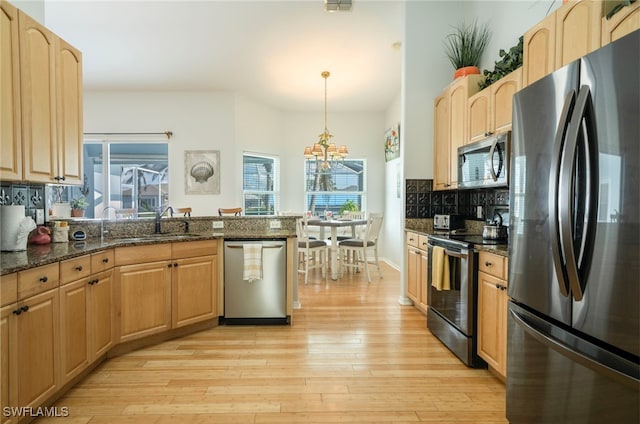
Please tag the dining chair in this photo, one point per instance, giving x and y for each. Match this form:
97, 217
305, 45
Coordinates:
346, 232
355, 251
312, 253
185, 211
230, 211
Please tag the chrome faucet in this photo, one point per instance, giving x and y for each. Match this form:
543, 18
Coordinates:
159, 212
102, 230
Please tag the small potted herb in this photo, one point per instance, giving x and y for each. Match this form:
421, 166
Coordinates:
78, 205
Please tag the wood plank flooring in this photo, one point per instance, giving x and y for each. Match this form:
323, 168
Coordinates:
352, 355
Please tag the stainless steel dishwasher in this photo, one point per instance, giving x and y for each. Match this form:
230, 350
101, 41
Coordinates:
262, 301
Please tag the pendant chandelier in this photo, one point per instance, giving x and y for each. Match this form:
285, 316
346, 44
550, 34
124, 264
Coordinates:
324, 151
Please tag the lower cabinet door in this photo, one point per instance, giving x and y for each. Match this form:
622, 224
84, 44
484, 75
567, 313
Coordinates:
142, 299
74, 319
38, 348
194, 290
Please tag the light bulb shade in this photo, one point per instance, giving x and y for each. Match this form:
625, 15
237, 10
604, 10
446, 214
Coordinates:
343, 151
332, 148
307, 153
317, 150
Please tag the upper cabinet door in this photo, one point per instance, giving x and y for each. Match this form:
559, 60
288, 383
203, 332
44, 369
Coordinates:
622, 23
441, 142
577, 30
502, 92
10, 142
479, 126
69, 94
539, 50
37, 65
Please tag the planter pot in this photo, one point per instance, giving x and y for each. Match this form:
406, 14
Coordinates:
77, 213
467, 70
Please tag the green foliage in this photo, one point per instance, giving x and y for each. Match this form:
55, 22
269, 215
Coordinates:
618, 7
510, 61
79, 203
350, 206
465, 45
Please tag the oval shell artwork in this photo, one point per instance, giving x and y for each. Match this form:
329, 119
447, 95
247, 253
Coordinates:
202, 171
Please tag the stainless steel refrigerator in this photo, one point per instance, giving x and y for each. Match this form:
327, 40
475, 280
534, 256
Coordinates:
574, 253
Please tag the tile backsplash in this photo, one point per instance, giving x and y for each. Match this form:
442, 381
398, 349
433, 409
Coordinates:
32, 196
422, 202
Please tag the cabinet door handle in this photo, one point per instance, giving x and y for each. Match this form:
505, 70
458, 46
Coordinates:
105, 260
44, 279
17, 311
25, 308
175, 264
79, 268
487, 264
170, 265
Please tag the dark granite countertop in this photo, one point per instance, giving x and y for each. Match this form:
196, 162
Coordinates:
498, 249
37, 255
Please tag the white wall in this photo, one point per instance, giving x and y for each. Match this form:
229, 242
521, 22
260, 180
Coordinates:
391, 239
198, 120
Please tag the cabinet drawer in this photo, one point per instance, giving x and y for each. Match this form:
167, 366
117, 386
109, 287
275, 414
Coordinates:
8, 289
413, 239
194, 248
492, 264
75, 268
422, 242
38, 280
140, 254
102, 261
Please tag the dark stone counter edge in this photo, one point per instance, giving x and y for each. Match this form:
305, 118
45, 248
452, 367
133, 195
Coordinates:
498, 249
38, 255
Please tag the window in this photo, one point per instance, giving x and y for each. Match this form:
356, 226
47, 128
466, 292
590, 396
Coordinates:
337, 188
130, 177
260, 184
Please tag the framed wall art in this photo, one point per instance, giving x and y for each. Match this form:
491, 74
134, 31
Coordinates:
202, 171
392, 143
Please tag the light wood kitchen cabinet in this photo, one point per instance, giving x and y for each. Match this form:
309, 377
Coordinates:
86, 316
539, 54
51, 102
441, 142
194, 276
417, 263
455, 122
490, 109
74, 334
142, 298
578, 30
10, 121
8, 345
622, 23
492, 311
38, 348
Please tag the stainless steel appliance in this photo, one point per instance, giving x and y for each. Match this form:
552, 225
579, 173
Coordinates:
485, 163
452, 314
444, 222
574, 253
260, 302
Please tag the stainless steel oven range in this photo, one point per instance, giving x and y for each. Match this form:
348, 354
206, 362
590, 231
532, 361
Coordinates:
452, 312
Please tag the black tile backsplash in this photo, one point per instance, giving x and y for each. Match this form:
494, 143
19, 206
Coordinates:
422, 202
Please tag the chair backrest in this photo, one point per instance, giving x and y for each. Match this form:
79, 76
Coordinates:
302, 230
185, 211
374, 225
358, 215
230, 211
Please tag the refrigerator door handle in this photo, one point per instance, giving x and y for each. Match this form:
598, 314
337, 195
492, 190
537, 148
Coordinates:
555, 231
608, 368
582, 113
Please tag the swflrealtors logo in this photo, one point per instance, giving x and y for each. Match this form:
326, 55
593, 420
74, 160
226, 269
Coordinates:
27, 411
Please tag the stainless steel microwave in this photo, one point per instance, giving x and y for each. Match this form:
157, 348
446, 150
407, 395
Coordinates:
485, 163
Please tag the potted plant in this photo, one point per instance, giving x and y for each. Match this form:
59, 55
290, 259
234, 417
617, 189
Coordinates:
78, 205
465, 46
509, 62
348, 206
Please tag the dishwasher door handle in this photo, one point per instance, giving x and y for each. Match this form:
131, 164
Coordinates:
268, 246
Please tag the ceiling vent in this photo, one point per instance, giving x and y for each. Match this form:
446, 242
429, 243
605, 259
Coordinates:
337, 5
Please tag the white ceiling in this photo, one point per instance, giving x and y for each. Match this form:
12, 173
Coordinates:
272, 51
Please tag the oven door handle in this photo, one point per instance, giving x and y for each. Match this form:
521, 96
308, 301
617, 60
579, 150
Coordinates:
452, 253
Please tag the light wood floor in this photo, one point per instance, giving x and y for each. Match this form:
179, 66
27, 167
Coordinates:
353, 354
